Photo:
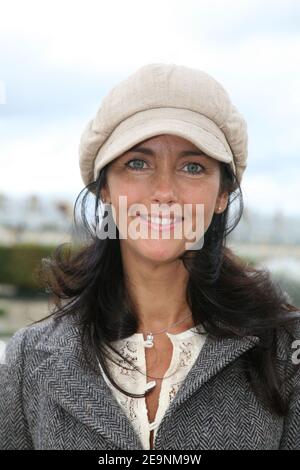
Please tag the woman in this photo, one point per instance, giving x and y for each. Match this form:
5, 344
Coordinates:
157, 341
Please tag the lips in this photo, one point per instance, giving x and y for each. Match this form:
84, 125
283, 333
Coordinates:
160, 224
160, 218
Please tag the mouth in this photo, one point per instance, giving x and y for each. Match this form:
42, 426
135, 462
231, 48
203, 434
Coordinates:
160, 218
160, 222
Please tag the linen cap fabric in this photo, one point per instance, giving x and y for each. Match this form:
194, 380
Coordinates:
165, 98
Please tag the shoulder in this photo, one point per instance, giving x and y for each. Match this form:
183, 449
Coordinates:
44, 336
288, 338
23, 340
288, 354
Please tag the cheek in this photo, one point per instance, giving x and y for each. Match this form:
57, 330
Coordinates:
125, 196
205, 196
124, 186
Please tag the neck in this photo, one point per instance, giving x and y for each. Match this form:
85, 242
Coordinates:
158, 294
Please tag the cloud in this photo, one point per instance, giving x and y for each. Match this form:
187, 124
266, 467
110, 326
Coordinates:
59, 59
267, 193
44, 160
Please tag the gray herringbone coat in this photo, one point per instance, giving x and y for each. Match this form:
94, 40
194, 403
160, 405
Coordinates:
50, 399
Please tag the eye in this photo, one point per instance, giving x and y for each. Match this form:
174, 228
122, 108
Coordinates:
193, 165
134, 160
136, 164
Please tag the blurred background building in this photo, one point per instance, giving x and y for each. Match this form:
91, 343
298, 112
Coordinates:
55, 68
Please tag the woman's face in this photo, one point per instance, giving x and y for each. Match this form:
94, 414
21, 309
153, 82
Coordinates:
163, 171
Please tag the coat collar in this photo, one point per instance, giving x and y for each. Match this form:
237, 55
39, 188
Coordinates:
64, 375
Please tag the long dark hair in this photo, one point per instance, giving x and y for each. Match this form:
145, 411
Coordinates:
226, 295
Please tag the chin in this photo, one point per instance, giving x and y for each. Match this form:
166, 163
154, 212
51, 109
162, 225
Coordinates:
160, 251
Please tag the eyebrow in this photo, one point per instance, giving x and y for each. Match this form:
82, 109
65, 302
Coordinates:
184, 153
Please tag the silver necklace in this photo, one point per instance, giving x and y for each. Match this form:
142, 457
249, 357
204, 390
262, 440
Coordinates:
148, 343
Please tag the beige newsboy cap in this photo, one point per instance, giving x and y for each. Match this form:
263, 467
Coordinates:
164, 98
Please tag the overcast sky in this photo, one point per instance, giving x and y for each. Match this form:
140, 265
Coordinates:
58, 59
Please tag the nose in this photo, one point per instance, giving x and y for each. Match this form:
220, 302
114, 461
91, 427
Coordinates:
164, 187
164, 190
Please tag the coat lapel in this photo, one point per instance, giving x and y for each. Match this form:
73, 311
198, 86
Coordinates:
215, 354
65, 377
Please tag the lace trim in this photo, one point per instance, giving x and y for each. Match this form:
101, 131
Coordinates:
185, 352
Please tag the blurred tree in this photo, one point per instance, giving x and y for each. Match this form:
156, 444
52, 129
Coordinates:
34, 203
64, 208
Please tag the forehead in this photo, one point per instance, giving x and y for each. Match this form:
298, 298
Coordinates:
168, 144
168, 140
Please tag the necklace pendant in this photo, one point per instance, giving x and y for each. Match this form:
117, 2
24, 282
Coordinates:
149, 341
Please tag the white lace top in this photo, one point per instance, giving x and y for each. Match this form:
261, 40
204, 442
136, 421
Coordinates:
186, 348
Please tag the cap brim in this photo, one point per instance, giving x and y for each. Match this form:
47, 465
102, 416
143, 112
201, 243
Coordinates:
198, 129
